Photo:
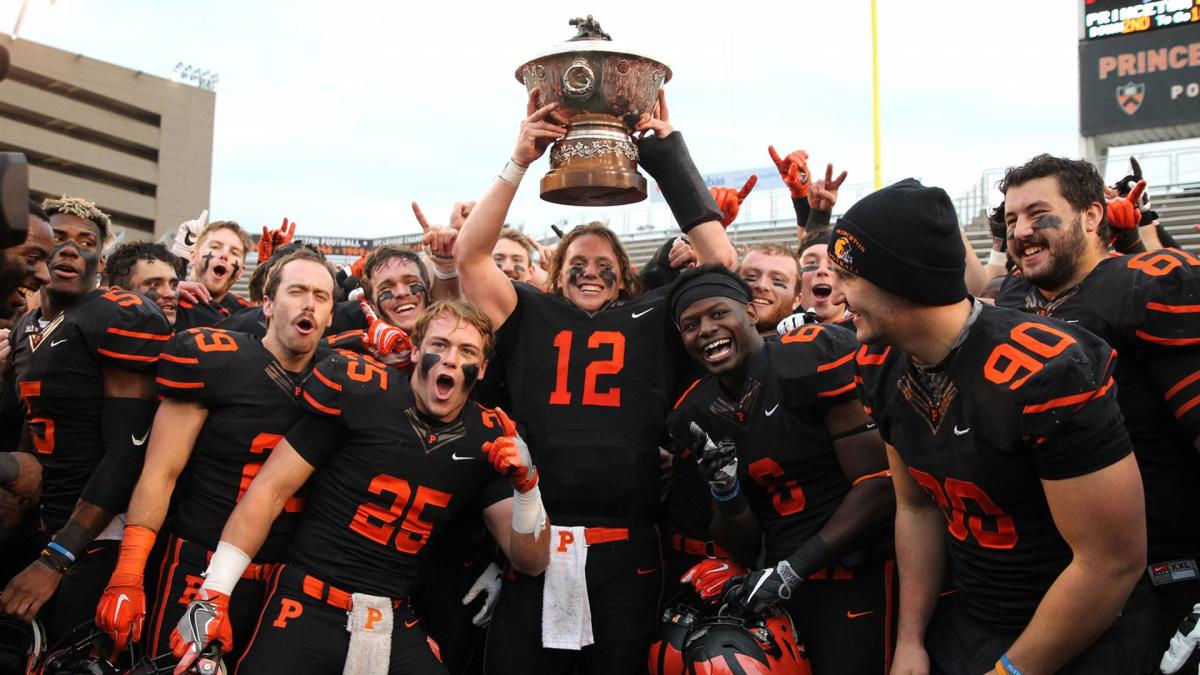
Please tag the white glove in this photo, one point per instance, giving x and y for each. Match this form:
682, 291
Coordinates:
791, 323
488, 583
185, 236
1182, 643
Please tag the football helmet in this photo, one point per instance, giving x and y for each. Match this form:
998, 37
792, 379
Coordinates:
87, 650
21, 645
728, 644
666, 653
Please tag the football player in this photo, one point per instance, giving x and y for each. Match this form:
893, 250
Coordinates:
23, 269
592, 370
392, 458
396, 285
84, 368
228, 398
773, 274
1012, 469
809, 475
1147, 306
218, 260
146, 268
514, 255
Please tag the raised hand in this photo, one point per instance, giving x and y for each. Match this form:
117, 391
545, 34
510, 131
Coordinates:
824, 193
273, 240
510, 455
385, 341
1123, 212
185, 236
459, 213
681, 255
438, 240
730, 200
658, 121
537, 132
718, 461
793, 170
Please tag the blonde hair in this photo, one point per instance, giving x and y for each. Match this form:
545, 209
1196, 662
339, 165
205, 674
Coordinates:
247, 242
516, 235
630, 284
464, 312
81, 208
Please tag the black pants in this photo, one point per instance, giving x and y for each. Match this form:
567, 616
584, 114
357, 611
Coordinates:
624, 580
75, 601
298, 633
959, 644
847, 619
182, 566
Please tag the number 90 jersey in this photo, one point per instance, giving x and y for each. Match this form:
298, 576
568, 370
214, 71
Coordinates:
252, 402
1021, 400
592, 393
387, 476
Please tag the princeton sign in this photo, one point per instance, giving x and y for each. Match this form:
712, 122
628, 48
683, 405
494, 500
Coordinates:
1140, 81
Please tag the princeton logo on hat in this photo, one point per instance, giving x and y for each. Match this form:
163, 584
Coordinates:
846, 247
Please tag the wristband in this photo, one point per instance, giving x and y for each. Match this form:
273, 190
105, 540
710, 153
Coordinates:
444, 276
997, 258
54, 560
728, 496
818, 219
802, 209
61, 550
528, 514
784, 569
512, 173
225, 569
1006, 667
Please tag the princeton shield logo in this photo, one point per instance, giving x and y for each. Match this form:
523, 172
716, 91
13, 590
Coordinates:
1130, 96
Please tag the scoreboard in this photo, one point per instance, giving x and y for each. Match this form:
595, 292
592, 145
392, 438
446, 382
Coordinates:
1107, 18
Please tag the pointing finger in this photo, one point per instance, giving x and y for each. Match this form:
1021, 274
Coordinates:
775, 156
745, 191
1136, 193
420, 217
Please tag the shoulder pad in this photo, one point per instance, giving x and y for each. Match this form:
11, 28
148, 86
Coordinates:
125, 329
1165, 298
340, 375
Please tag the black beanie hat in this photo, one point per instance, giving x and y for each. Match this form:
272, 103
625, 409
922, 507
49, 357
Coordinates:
905, 239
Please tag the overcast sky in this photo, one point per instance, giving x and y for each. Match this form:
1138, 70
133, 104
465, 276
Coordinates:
338, 114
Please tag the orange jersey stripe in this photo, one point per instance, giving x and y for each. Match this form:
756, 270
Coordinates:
331, 339
836, 392
1183, 409
190, 360
1070, 400
140, 336
685, 394
127, 357
835, 364
328, 382
1172, 309
1182, 384
179, 385
1171, 342
318, 406
886, 473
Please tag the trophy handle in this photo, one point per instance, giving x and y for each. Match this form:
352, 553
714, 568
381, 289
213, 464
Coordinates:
578, 80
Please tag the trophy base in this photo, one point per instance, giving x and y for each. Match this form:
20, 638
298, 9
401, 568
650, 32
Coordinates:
595, 164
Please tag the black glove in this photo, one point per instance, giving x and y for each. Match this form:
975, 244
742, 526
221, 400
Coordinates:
756, 591
669, 163
718, 461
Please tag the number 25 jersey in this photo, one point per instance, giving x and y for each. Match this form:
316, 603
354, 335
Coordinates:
1022, 399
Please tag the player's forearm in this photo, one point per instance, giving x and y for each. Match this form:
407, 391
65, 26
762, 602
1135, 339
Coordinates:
250, 522
712, 244
863, 515
86, 522
735, 528
479, 234
921, 559
148, 505
528, 554
1078, 607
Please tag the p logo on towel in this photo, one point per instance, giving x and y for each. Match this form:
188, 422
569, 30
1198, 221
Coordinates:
374, 616
565, 539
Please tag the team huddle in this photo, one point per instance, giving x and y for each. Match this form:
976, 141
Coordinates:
869, 452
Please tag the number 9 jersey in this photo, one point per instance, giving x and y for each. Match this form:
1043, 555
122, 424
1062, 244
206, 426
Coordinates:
1021, 399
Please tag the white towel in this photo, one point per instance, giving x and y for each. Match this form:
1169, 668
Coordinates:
370, 627
566, 612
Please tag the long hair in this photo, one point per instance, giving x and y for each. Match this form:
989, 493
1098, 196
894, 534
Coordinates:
630, 285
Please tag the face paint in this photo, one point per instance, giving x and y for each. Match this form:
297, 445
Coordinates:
609, 277
518, 269
417, 289
206, 261
236, 267
384, 297
153, 294
1048, 223
573, 274
91, 259
470, 374
428, 361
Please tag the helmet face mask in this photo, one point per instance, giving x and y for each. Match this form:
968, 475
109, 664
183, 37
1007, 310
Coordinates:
728, 644
87, 650
666, 653
21, 645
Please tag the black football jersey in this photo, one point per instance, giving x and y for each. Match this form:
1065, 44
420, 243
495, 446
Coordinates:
387, 477
1022, 399
250, 321
1147, 306
592, 393
347, 316
786, 463
59, 374
199, 314
252, 402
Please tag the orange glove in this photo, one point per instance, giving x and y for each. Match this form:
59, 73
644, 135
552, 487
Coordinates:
793, 170
1123, 212
510, 456
273, 240
730, 200
356, 267
205, 621
383, 339
709, 577
122, 609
